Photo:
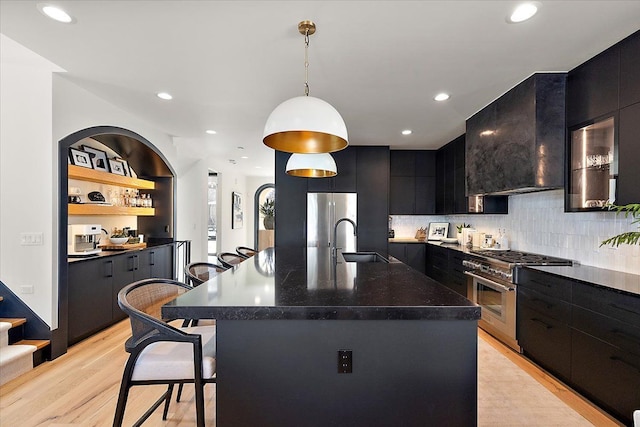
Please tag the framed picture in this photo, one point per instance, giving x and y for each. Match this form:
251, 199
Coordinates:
125, 166
236, 210
117, 167
80, 158
438, 230
98, 158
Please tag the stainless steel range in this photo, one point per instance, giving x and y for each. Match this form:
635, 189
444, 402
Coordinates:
493, 287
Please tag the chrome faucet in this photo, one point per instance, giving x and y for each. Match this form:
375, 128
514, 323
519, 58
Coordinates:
334, 249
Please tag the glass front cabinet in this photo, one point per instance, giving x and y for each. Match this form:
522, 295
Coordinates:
592, 166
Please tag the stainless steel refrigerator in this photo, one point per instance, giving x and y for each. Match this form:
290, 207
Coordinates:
323, 210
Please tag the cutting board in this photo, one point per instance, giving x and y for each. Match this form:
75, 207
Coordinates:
122, 247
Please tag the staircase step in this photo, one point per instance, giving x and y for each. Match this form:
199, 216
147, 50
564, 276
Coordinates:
38, 343
15, 321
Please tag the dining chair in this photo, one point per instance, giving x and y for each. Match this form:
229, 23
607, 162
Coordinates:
200, 272
245, 252
229, 259
160, 353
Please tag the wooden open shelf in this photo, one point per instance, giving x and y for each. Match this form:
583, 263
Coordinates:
86, 174
89, 209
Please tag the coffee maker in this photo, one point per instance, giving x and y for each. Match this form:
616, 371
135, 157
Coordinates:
83, 240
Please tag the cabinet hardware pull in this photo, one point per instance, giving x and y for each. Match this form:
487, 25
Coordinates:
546, 325
619, 307
624, 362
153, 258
132, 265
108, 269
546, 285
543, 303
136, 262
626, 336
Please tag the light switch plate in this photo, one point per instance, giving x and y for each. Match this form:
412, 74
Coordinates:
31, 239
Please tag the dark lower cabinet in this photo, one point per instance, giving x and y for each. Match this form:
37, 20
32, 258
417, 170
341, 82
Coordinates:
94, 285
89, 298
412, 254
445, 266
607, 375
587, 335
544, 339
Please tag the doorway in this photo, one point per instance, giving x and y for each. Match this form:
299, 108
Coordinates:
264, 203
212, 229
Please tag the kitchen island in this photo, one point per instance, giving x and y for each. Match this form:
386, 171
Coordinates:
285, 316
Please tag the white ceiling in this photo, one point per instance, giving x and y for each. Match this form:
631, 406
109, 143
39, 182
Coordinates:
229, 63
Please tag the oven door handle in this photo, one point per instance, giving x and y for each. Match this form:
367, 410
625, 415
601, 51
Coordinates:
490, 283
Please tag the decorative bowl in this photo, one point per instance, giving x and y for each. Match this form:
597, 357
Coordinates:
449, 240
118, 240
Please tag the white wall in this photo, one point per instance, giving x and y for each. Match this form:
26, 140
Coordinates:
537, 223
191, 200
27, 203
37, 109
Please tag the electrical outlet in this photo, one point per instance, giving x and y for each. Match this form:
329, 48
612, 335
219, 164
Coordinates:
345, 361
31, 239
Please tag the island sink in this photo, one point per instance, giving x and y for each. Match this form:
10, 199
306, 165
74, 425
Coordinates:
363, 257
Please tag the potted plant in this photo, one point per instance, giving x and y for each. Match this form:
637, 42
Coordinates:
630, 237
268, 209
459, 228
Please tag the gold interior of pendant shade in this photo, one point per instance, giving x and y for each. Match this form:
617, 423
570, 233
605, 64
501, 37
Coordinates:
311, 173
304, 141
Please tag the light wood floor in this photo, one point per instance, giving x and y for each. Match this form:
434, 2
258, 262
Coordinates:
81, 388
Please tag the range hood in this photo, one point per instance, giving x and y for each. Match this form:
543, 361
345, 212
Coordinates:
516, 144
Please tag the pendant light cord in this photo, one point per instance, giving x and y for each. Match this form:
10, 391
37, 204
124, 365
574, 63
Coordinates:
306, 63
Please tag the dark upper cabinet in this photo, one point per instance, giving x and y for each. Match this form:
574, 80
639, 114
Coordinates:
345, 181
425, 163
412, 182
402, 195
605, 86
373, 203
425, 189
629, 153
630, 70
440, 181
402, 163
592, 87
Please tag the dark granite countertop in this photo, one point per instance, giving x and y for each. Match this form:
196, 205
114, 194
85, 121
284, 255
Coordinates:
104, 253
304, 283
616, 280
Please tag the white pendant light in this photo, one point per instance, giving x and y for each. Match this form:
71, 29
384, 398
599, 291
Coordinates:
318, 165
305, 124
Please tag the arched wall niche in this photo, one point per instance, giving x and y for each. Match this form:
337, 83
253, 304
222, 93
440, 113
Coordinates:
149, 163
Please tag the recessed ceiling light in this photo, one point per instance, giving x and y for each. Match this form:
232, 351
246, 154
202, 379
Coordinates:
56, 13
244, 157
523, 12
407, 132
211, 132
441, 96
258, 167
164, 95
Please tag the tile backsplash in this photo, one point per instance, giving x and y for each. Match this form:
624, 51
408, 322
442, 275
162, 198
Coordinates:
537, 223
